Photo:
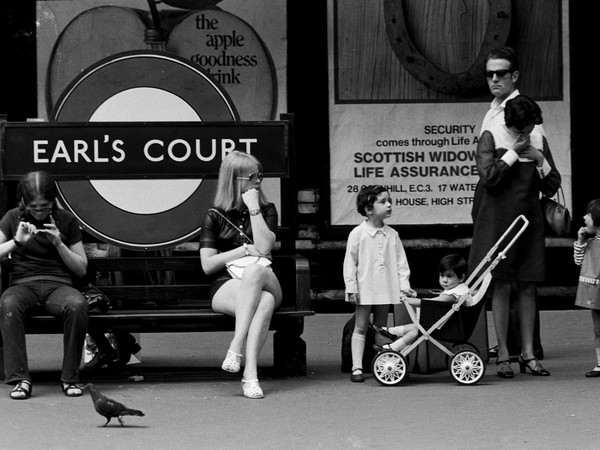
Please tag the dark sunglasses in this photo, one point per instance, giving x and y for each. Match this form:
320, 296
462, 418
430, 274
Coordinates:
499, 73
253, 177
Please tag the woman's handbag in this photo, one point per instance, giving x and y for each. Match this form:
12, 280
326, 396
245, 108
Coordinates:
556, 214
96, 300
237, 266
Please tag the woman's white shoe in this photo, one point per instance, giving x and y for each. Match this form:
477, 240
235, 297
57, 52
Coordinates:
252, 389
232, 362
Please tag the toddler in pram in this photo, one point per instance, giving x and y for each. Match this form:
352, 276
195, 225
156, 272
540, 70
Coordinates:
442, 319
452, 271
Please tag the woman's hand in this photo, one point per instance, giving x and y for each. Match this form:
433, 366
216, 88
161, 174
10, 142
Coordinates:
522, 143
25, 231
51, 232
532, 153
250, 198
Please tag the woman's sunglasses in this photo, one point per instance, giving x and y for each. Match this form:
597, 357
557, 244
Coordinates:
253, 177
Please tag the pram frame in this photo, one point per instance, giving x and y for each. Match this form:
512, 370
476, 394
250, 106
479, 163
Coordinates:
483, 270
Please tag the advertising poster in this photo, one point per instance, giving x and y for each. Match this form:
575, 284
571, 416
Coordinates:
408, 96
242, 44
142, 61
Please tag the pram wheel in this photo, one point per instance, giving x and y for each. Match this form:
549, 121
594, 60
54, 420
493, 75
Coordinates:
466, 366
389, 367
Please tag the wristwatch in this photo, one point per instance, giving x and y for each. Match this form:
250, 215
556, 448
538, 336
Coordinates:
254, 212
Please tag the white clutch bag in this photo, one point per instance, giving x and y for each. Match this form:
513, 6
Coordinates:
237, 266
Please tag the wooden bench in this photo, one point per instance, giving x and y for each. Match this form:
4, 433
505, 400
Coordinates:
185, 305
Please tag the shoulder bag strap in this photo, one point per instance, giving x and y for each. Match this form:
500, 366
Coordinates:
232, 224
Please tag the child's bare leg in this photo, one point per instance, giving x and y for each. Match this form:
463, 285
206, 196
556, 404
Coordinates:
401, 330
595, 372
406, 340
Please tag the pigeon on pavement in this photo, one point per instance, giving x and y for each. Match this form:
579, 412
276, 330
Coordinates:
110, 408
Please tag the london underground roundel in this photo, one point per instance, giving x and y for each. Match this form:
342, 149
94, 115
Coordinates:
142, 86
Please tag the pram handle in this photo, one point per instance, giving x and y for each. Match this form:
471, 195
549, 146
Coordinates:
502, 254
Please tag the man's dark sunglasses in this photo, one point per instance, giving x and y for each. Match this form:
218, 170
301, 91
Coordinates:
499, 73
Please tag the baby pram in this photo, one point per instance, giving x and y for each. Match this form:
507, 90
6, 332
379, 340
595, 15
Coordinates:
448, 322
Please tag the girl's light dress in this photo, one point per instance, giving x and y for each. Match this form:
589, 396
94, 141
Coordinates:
375, 265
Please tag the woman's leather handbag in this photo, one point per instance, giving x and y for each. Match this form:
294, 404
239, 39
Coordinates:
556, 214
97, 301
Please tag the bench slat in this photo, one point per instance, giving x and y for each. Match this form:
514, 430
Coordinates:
161, 294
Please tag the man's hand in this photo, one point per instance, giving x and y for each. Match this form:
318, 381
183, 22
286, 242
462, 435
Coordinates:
353, 298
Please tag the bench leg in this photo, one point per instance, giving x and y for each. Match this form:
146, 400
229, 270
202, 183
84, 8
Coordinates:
289, 349
1, 361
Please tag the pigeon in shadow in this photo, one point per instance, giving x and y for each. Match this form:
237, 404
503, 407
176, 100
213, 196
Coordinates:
110, 408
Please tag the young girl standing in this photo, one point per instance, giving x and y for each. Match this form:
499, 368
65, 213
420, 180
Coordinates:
587, 255
375, 269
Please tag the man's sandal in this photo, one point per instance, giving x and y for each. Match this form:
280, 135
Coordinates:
232, 362
72, 390
504, 370
252, 389
22, 390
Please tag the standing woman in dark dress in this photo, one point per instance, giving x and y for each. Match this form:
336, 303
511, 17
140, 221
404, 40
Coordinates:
242, 210
514, 164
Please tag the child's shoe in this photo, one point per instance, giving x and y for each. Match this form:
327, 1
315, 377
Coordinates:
594, 373
383, 331
382, 348
357, 376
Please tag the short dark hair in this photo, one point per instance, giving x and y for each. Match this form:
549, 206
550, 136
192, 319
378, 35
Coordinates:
455, 263
506, 53
367, 196
593, 207
522, 111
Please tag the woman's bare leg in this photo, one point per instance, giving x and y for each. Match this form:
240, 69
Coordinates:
526, 309
500, 311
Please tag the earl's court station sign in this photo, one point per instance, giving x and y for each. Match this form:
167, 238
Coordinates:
82, 156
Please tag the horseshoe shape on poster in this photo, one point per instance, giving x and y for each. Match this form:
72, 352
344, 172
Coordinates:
460, 84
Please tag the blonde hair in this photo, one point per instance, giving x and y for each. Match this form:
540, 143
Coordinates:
229, 192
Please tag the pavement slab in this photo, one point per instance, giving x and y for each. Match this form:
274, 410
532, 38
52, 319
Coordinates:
190, 404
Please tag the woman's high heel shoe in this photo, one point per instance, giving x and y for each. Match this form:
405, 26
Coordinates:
536, 370
232, 362
252, 389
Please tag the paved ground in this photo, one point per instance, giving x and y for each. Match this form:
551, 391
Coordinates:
190, 407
